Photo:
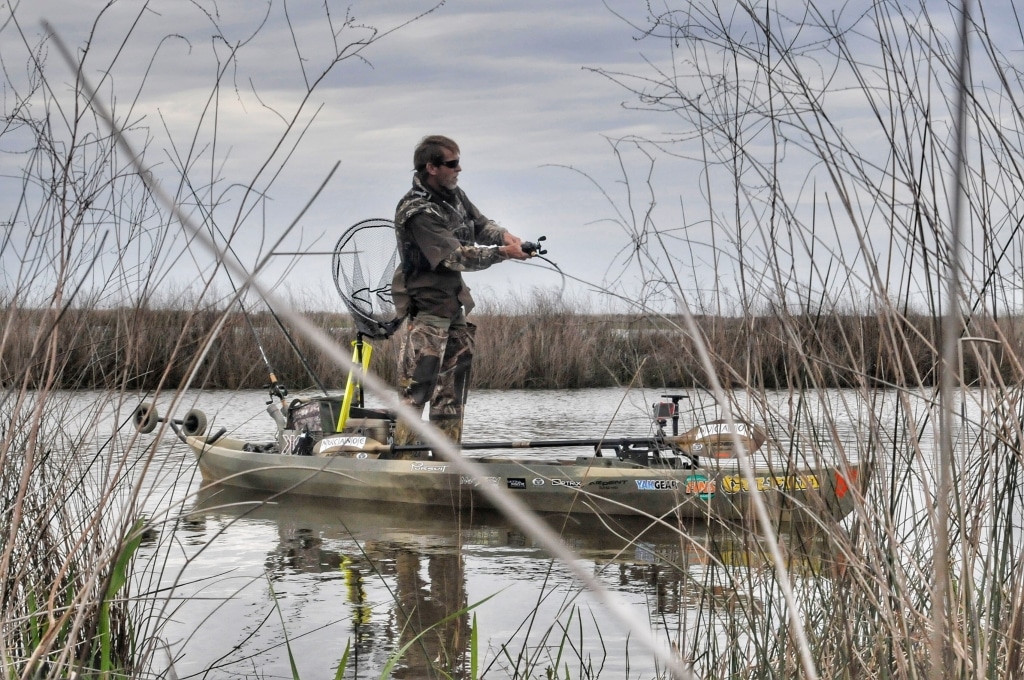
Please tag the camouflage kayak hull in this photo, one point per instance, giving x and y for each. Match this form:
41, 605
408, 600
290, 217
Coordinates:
586, 484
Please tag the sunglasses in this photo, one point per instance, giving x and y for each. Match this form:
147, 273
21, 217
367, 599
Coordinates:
454, 163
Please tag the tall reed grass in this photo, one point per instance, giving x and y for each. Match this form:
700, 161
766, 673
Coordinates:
538, 342
925, 582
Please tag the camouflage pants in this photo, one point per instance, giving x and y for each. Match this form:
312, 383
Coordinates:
434, 362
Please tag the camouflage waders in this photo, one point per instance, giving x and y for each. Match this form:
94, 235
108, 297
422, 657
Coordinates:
434, 364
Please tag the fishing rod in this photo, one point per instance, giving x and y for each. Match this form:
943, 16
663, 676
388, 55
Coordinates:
298, 353
528, 247
276, 388
270, 308
597, 444
711, 439
628, 446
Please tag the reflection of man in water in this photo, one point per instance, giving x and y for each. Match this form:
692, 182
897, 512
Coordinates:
440, 650
300, 549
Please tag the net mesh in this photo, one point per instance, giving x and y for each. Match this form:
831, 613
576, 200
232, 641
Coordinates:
363, 266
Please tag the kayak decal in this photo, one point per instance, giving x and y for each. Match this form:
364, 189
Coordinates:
700, 486
720, 429
354, 442
657, 484
737, 483
469, 480
516, 482
842, 485
566, 482
423, 467
538, 481
608, 483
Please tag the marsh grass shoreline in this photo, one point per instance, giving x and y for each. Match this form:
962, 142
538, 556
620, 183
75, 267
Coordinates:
930, 586
541, 345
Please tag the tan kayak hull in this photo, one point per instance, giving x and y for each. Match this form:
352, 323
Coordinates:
585, 484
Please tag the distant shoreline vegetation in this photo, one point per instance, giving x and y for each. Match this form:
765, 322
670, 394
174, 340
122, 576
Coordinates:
542, 343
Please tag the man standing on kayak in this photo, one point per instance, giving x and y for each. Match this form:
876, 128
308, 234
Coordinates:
440, 235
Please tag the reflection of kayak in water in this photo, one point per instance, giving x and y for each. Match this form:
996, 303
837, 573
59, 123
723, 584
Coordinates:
696, 474
404, 570
626, 540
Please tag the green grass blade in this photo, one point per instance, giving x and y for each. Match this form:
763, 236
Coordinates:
284, 630
343, 664
118, 578
474, 659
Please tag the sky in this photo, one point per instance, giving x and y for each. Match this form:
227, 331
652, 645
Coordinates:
507, 80
244, 99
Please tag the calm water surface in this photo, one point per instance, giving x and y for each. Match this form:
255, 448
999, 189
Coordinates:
253, 580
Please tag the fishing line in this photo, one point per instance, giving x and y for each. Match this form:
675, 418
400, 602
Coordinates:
277, 389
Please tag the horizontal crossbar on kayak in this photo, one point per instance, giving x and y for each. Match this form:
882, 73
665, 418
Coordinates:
549, 444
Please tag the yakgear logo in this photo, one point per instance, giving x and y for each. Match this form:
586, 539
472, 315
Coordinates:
657, 484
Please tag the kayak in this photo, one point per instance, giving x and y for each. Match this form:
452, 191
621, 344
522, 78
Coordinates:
694, 475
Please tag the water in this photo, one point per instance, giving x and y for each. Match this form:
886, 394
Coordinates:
252, 582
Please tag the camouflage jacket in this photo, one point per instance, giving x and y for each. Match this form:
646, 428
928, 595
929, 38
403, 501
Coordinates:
437, 236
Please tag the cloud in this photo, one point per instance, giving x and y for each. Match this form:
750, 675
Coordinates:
504, 78
513, 82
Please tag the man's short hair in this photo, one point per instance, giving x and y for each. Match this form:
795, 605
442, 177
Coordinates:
431, 150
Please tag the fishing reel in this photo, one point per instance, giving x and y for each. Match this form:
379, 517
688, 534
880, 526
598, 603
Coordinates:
534, 249
277, 390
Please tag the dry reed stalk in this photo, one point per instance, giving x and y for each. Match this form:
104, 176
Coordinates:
73, 483
920, 606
